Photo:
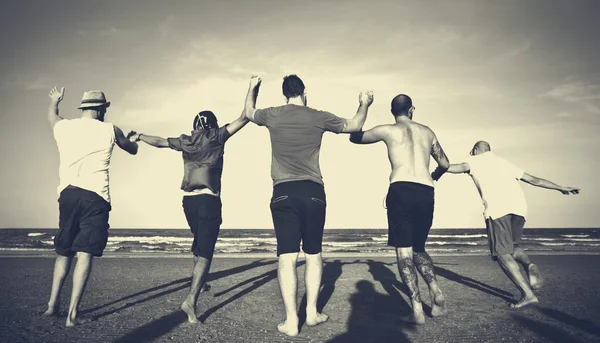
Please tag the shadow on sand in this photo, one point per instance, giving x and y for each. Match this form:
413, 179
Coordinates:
472, 283
165, 324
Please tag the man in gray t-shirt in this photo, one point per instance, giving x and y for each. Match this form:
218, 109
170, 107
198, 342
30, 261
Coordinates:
298, 203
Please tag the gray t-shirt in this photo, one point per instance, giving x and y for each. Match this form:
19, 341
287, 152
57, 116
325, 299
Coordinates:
202, 158
296, 134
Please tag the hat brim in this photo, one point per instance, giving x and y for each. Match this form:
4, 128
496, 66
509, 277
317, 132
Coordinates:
94, 104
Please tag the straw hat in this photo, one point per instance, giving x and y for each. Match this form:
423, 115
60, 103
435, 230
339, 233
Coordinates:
93, 99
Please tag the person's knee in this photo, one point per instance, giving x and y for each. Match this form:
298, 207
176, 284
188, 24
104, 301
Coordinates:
404, 252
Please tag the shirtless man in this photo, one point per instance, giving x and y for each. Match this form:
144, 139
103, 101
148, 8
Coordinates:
497, 181
298, 205
410, 198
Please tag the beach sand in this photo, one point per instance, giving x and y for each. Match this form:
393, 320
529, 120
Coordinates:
137, 300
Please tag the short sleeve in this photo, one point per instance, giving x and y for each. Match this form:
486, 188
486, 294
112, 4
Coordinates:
223, 134
333, 123
260, 116
175, 143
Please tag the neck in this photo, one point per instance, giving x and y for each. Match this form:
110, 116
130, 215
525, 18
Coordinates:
90, 114
296, 101
402, 118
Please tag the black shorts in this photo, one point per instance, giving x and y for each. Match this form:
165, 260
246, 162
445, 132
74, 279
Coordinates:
203, 214
298, 211
410, 214
83, 222
504, 234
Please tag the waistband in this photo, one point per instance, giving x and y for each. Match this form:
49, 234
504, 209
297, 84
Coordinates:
409, 184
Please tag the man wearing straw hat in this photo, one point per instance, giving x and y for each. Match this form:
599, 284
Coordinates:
202, 153
85, 147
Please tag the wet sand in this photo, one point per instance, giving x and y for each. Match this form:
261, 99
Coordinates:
137, 300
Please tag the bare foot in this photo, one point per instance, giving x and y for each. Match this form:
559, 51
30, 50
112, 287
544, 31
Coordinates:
524, 302
205, 288
438, 304
74, 321
415, 318
190, 311
51, 311
535, 278
316, 319
288, 328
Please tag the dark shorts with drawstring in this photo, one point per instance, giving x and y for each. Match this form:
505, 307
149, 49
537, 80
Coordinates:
203, 214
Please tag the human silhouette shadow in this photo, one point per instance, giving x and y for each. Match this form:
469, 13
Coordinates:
582, 324
331, 273
546, 331
184, 283
389, 282
372, 319
472, 283
154, 329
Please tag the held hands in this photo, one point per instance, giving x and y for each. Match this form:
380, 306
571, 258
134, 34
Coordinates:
569, 190
366, 98
56, 95
133, 136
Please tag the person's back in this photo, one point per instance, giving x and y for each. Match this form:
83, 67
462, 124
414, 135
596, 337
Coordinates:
409, 150
296, 134
85, 147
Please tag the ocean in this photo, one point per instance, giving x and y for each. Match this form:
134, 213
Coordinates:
351, 241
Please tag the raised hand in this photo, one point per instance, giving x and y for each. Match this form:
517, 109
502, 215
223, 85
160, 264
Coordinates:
255, 81
366, 98
133, 136
57, 95
570, 190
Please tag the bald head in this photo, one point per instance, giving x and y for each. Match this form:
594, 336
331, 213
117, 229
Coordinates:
401, 105
480, 147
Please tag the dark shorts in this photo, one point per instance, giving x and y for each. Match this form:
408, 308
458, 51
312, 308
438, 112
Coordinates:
203, 214
504, 234
83, 222
410, 214
298, 211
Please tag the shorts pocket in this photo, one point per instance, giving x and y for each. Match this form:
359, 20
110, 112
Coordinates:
279, 198
317, 200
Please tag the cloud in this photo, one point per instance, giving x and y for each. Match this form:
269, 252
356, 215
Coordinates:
580, 93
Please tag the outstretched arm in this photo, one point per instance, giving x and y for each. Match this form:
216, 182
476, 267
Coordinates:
440, 157
155, 141
251, 96
543, 183
356, 123
124, 142
459, 168
373, 135
56, 97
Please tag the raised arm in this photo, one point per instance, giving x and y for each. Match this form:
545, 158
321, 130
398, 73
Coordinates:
373, 135
56, 97
251, 96
124, 142
440, 157
543, 183
356, 123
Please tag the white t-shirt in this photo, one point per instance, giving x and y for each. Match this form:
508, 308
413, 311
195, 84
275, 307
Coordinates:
498, 183
85, 147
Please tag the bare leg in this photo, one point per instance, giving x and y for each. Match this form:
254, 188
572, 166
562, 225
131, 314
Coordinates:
61, 270
199, 275
288, 283
80, 278
511, 269
424, 265
535, 278
314, 272
406, 268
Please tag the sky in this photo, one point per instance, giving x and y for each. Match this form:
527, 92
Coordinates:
522, 75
